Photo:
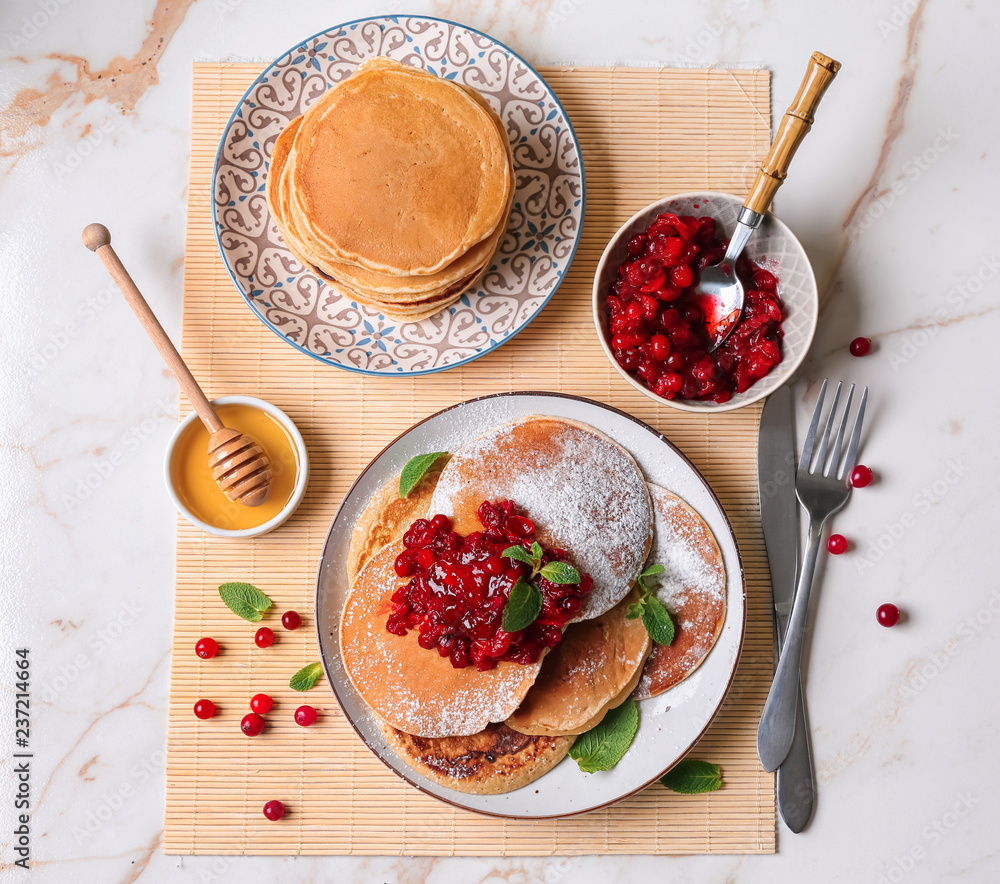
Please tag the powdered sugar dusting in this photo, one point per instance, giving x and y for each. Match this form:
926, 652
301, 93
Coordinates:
692, 588
583, 492
411, 688
679, 545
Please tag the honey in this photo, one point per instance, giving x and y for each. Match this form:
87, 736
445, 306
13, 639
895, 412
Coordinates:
198, 491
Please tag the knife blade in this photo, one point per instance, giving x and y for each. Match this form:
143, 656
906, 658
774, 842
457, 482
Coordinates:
779, 520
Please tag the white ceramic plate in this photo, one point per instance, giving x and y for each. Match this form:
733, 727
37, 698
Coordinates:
542, 234
669, 724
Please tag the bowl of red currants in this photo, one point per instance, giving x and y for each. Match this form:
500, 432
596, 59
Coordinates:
654, 324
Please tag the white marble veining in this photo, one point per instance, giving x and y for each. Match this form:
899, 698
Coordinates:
892, 196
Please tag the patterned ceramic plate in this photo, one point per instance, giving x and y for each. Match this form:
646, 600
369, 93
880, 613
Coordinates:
542, 234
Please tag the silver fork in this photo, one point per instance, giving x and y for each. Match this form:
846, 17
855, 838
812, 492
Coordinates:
822, 488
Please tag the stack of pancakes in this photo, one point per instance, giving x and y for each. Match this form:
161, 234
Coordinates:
495, 731
395, 188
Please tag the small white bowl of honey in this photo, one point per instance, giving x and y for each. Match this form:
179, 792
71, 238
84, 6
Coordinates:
197, 495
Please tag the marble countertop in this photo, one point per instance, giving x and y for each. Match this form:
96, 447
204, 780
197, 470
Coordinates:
891, 198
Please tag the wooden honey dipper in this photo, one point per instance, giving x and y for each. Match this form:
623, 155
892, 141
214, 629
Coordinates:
238, 464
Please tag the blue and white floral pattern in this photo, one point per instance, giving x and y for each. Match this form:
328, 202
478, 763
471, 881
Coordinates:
542, 234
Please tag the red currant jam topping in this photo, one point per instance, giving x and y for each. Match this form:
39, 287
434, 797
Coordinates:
274, 810
861, 476
458, 587
206, 648
888, 615
861, 346
659, 323
305, 716
264, 637
204, 709
291, 620
837, 544
261, 703
252, 724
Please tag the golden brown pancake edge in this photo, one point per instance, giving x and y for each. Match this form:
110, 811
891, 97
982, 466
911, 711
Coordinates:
416, 690
492, 762
699, 610
591, 671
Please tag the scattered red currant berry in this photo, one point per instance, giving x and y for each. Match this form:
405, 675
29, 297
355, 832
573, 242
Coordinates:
274, 810
291, 620
204, 709
861, 476
206, 648
442, 522
837, 544
252, 724
264, 637
861, 346
261, 703
888, 615
305, 716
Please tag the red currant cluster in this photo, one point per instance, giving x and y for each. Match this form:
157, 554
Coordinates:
660, 324
458, 587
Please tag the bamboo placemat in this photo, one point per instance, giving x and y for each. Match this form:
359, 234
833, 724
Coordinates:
645, 133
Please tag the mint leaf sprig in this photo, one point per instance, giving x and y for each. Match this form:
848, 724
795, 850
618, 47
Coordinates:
244, 600
655, 616
306, 677
604, 745
415, 470
693, 777
525, 601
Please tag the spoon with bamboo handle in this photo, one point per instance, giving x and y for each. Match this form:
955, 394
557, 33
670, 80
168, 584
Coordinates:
719, 284
238, 464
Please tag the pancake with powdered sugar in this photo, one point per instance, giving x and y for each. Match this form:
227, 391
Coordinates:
590, 672
692, 588
416, 690
584, 492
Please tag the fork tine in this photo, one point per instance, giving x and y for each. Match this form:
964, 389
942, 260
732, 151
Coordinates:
825, 441
852, 448
807, 448
838, 445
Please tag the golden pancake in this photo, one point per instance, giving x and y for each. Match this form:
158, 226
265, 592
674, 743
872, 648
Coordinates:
493, 761
386, 519
379, 285
411, 299
414, 302
402, 313
416, 690
279, 158
693, 589
398, 171
591, 671
467, 266
583, 491
373, 287
405, 298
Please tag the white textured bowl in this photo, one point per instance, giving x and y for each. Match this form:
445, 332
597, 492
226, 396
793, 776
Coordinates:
772, 245
302, 469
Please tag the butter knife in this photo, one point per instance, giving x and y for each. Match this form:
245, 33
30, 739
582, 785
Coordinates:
779, 519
